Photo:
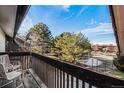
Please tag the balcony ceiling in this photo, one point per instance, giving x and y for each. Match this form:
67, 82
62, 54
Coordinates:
11, 17
7, 19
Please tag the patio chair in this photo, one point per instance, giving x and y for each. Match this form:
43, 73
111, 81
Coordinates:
7, 74
8, 66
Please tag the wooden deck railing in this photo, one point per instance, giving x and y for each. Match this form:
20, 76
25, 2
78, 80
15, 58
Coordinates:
22, 58
62, 74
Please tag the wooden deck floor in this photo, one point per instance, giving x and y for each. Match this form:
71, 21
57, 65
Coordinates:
31, 80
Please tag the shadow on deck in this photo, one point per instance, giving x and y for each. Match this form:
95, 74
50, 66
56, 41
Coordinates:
31, 80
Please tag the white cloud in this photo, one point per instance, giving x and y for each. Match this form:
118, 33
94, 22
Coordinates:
82, 10
65, 7
92, 22
101, 29
104, 42
62, 7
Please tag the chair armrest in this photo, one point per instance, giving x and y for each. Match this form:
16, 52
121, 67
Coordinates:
9, 68
16, 67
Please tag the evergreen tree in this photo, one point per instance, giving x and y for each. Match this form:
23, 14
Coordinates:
69, 46
41, 38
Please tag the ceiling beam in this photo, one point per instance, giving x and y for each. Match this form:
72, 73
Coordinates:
20, 14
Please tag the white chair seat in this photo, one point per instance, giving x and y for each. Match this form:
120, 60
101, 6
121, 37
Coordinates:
12, 75
16, 67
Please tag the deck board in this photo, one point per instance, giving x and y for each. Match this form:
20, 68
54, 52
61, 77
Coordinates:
31, 80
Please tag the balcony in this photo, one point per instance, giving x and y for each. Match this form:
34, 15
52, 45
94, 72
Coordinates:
41, 71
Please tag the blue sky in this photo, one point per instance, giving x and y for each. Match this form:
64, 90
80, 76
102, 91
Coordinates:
93, 21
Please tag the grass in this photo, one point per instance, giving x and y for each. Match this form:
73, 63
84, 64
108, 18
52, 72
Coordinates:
117, 74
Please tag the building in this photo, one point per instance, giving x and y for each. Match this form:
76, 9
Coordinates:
106, 48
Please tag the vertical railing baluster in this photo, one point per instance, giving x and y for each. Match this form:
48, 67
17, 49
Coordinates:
47, 70
25, 62
77, 83
57, 78
67, 80
60, 79
30, 61
83, 84
90, 86
21, 62
63, 79
72, 81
